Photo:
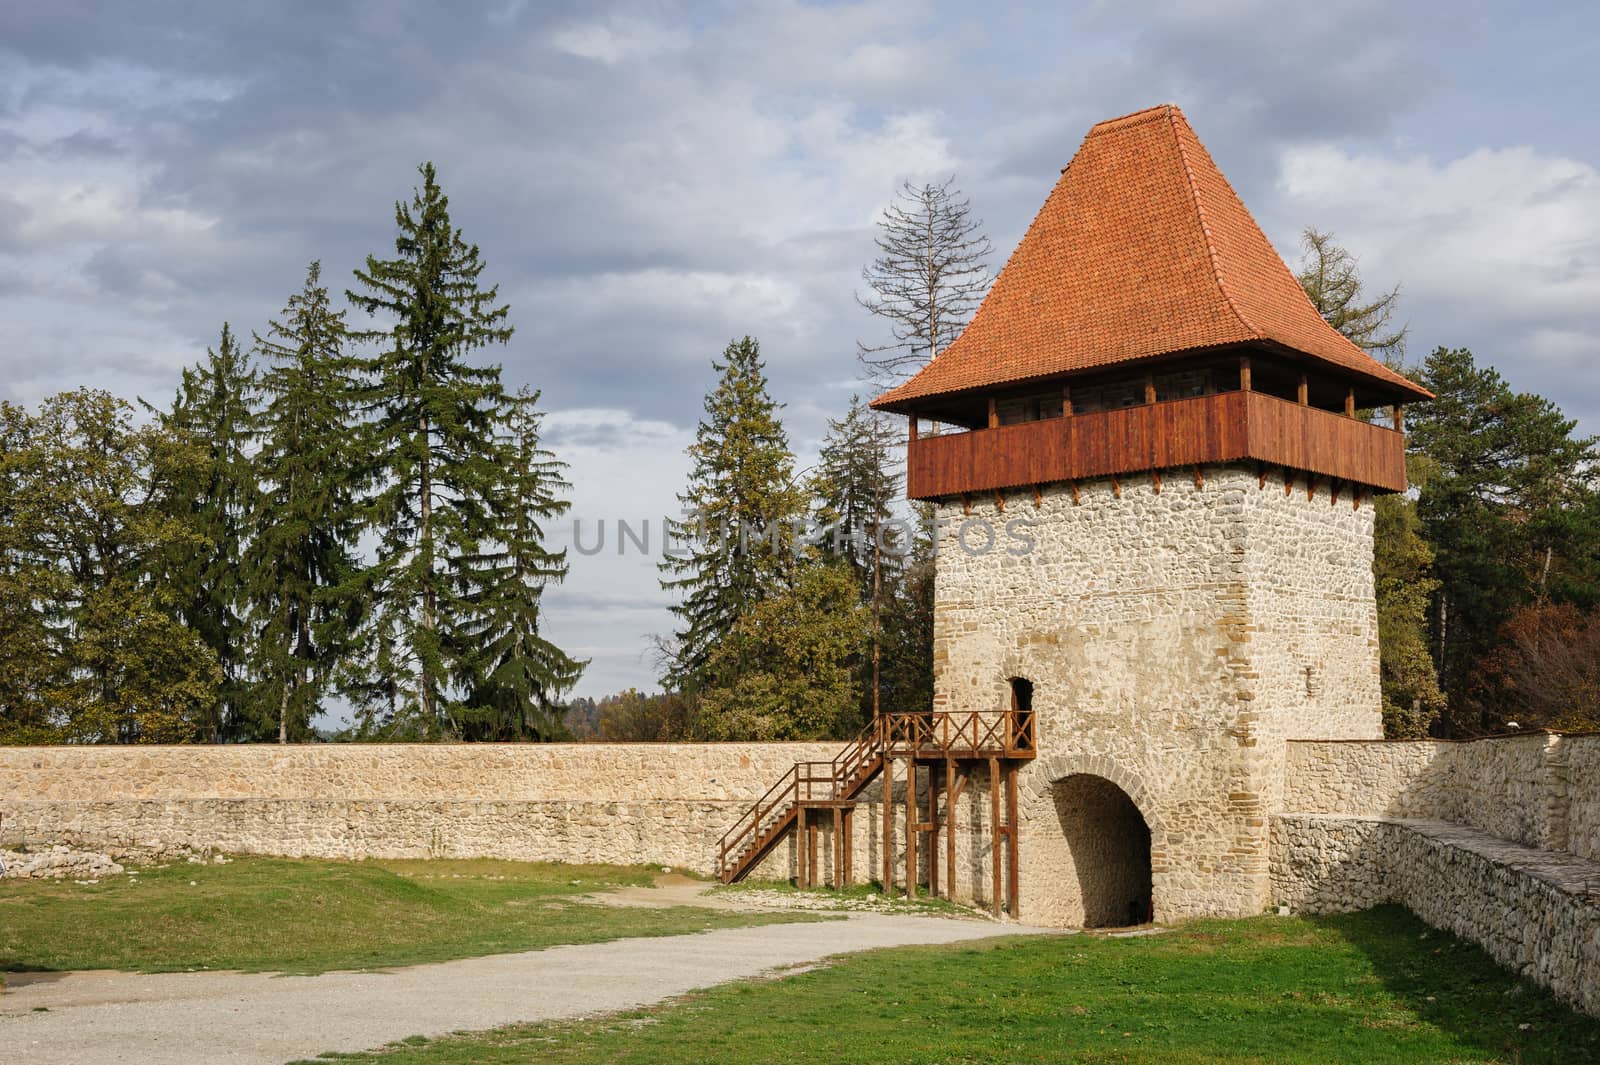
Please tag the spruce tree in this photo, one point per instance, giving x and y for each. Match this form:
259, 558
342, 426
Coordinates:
433, 418
854, 485
303, 579
514, 677
730, 551
212, 413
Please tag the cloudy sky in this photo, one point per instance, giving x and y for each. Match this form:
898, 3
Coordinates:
648, 180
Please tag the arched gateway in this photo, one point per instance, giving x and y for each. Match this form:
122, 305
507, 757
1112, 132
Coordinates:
1163, 439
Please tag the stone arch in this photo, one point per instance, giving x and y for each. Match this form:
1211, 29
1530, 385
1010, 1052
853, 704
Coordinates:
1103, 814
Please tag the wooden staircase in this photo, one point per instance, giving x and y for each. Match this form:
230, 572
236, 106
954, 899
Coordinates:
1001, 738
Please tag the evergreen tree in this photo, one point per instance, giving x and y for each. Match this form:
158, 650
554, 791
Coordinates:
1332, 280
1405, 585
730, 553
515, 677
212, 413
433, 420
1503, 511
854, 486
30, 669
303, 580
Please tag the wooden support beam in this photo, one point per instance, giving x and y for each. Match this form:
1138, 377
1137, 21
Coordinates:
999, 501
1038, 496
1398, 417
839, 848
1333, 500
1199, 478
933, 832
994, 834
1288, 480
886, 845
966, 504
800, 865
1355, 499
1116, 486
911, 828
1350, 403
1303, 393
950, 796
812, 871
1066, 401
848, 877
1074, 486
994, 413
913, 431
1149, 387
1244, 373
1012, 862
1261, 472
1155, 480
1311, 486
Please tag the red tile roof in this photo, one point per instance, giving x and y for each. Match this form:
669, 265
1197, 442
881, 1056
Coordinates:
1142, 249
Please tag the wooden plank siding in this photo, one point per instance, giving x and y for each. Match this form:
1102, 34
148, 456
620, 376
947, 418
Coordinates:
1200, 430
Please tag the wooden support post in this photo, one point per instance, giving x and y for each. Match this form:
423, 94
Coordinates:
1399, 418
1155, 480
913, 432
999, 501
1066, 401
1355, 499
1350, 403
812, 871
1038, 496
1262, 475
1116, 486
933, 832
994, 834
1012, 887
1288, 480
949, 828
1244, 373
839, 848
848, 877
911, 828
1334, 500
1074, 486
1311, 486
1149, 387
966, 504
1199, 478
994, 413
1303, 393
800, 864
887, 846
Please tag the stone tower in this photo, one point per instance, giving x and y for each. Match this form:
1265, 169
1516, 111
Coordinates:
1153, 480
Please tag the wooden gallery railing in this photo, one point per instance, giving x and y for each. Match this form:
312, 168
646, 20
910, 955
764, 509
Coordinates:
957, 742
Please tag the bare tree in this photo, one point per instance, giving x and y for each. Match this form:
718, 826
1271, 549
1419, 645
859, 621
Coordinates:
929, 277
1329, 274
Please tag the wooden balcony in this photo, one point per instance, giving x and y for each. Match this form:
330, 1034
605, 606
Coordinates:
1179, 433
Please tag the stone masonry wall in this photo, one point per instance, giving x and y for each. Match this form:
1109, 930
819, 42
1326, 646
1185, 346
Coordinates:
1532, 910
1541, 790
1176, 636
624, 803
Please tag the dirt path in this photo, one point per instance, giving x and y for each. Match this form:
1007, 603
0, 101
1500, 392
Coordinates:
252, 1019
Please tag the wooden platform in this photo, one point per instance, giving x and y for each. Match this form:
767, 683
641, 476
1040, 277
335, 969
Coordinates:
812, 793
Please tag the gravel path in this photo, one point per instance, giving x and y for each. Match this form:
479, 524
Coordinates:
253, 1019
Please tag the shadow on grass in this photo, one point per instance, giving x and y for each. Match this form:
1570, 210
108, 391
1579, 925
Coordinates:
1454, 986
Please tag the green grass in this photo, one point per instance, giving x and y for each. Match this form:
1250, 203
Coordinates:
1374, 987
864, 895
268, 914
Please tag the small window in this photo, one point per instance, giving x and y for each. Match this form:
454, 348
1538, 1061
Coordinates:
1021, 694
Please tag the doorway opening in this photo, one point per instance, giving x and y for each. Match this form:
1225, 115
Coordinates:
1110, 845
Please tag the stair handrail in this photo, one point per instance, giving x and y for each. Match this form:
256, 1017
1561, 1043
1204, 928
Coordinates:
785, 791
